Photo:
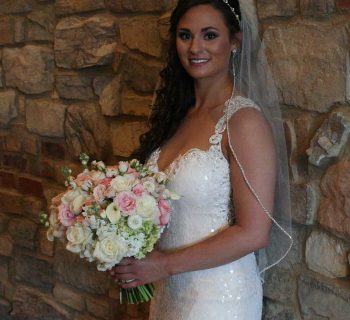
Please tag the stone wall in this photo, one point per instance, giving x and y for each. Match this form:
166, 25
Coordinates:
79, 75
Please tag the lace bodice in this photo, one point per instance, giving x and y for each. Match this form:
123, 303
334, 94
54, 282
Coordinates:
202, 179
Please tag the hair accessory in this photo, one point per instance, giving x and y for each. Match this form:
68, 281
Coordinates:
232, 9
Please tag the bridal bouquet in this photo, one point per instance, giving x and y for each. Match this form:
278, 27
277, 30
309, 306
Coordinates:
108, 213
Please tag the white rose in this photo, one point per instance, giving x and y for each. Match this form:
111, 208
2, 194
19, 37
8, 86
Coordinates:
123, 183
76, 206
146, 207
113, 213
110, 249
112, 172
135, 222
69, 196
77, 236
97, 175
123, 166
149, 186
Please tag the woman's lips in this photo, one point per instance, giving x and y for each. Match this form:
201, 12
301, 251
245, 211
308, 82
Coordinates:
198, 61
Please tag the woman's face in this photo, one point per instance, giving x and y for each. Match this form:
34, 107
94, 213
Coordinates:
203, 43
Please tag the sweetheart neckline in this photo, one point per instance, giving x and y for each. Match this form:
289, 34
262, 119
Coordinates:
217, 132
169, 170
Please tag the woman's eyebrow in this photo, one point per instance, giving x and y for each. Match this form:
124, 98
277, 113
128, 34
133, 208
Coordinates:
203, 30
209, 28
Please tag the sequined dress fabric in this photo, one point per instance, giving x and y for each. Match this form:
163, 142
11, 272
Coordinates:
202, 179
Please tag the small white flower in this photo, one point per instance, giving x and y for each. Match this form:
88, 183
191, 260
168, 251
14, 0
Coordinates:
149, 186
123, 166
134, 222
101, 166
167, 194
174, 196
134, 163
161, 177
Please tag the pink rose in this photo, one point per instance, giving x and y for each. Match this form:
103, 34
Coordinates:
66, 217
82, 178
138, 190
110, 192
126, 202
105, 182
99, 192
88, 203
165, 210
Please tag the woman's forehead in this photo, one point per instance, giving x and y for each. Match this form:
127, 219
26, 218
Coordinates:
201, 17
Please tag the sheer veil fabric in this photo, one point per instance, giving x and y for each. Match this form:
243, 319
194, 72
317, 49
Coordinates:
253, 79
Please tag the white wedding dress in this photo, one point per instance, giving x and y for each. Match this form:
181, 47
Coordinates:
202, 179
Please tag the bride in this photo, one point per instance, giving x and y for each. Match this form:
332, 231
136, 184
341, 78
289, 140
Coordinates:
216, 132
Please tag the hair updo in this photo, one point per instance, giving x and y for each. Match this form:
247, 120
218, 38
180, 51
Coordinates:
175, 95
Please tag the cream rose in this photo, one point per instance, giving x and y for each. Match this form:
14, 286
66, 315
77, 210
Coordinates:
76, 205
113, 213
69, 196
77, 236
97, 175
123, 183
146, 207
110, 249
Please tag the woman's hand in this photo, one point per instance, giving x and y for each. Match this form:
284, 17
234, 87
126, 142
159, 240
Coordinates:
132, 272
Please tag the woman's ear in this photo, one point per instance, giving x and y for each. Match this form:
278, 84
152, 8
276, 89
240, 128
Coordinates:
237, 39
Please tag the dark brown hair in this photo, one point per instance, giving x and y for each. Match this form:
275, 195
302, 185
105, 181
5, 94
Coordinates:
175, 95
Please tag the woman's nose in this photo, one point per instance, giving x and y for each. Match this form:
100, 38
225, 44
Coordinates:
196, 46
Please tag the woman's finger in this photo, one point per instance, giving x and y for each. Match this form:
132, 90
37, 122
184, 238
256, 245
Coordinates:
122, 269
131, 284
125, 276
125, 261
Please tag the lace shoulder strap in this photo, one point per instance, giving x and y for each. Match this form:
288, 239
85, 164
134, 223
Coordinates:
238, 103
231, 106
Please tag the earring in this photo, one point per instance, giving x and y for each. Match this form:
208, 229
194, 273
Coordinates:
234, 51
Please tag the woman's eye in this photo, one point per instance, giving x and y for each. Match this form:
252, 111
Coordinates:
184, 35
210, 36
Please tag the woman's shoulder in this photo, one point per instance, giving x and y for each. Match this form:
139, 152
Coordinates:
239, 102
246, 117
